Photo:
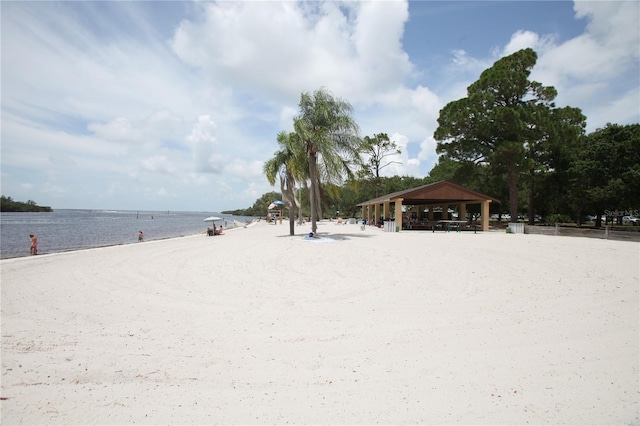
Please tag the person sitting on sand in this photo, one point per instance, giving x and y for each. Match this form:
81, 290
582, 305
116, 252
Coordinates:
34, 244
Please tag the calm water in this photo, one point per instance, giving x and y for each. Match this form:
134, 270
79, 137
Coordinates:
64, 230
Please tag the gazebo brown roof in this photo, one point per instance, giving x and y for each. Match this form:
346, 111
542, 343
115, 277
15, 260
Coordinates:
438, 193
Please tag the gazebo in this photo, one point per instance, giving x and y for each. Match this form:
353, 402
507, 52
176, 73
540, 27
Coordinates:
427, 202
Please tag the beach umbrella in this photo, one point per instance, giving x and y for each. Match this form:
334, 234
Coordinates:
276, 205
212, 219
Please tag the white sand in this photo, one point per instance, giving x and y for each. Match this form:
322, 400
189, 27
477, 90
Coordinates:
259, 327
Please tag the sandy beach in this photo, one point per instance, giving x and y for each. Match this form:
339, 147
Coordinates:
357, 327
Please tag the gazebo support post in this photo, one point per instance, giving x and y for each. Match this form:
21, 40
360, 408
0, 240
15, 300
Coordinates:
462, 211
485, 215
398, 214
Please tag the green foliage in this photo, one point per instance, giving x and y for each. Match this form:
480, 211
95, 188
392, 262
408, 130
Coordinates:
329, 135
259, 208
556, 218
342, 198
551, 147
510, 125
8, 205
290, 164
377, 149
606, 172
506, 138
603, 166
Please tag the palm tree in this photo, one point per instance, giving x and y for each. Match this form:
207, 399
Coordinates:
289, 163
330, 138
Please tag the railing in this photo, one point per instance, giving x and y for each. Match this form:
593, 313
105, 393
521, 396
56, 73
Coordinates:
603, 233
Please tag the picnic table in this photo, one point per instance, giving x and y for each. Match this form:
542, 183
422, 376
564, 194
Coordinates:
447, 224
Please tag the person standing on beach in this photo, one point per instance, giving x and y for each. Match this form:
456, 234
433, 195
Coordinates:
34, 244
140, 236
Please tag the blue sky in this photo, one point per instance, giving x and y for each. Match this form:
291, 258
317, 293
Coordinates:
176, 105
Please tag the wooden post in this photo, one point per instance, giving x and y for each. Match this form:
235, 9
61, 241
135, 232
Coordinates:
485, 215
399, 214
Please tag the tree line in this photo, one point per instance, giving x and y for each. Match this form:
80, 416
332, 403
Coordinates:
7, 204
506, 138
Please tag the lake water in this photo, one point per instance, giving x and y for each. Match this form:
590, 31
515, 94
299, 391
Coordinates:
64, 230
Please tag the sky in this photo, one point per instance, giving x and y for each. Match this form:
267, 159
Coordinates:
141, 105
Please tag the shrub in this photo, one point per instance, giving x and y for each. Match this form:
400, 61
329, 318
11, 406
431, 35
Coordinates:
556, 218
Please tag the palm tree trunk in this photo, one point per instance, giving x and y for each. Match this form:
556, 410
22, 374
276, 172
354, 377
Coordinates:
296, 199
290, 200
318, 201
292, 220
313, 171
288, 196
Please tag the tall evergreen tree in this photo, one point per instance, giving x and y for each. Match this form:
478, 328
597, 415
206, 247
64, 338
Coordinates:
498, 117
606, 174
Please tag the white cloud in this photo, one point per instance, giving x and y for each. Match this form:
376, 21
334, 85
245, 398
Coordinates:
613, 24
583, 69
586, 68
300, 48
523, 39
244, 170
203, 143
428, 149
410, 115
101, 101
158, 164
401, 164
